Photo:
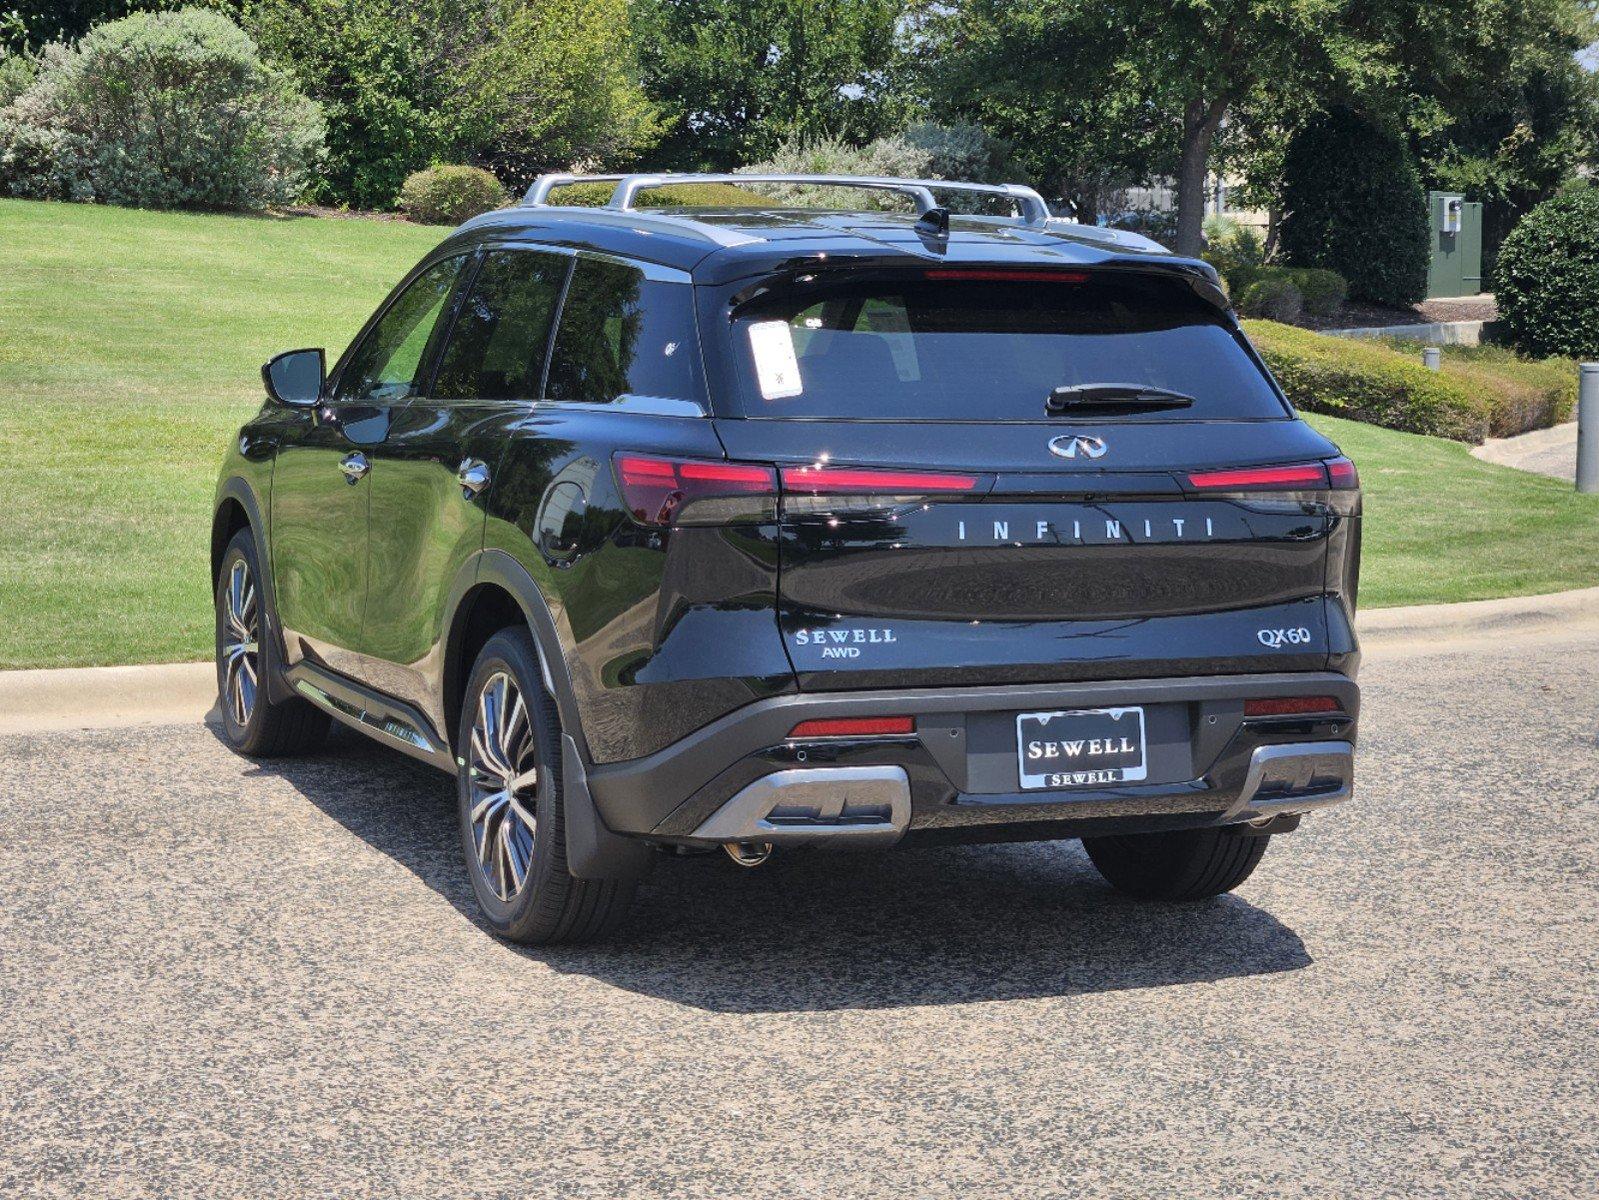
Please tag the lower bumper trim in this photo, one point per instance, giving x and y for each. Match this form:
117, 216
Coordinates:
857, 806
1295, 778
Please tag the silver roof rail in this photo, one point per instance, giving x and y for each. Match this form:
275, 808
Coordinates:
1028, 203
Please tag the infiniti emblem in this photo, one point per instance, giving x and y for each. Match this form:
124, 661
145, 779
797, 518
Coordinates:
1072, 445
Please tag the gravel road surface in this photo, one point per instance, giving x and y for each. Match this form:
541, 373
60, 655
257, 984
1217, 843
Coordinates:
222, 979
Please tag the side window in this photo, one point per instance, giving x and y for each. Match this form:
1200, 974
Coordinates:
624, 334
388, 362
496, 350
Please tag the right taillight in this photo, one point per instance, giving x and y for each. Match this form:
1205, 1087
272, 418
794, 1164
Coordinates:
668, 491
1343, 474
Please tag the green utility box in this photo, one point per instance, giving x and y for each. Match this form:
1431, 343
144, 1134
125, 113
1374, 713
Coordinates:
1456, 265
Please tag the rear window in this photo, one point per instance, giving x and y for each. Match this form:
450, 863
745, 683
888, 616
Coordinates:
954, 345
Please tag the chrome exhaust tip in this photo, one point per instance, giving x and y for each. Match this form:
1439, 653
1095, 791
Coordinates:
748, 854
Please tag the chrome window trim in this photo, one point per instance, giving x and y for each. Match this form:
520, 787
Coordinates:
654, 272
650, 406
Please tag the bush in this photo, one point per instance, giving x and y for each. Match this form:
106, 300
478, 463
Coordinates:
683, 195
831, 156
1274, 297
1481, 391
1356, 205
1546, 279
1324, 291
1235, 250
160, 110
449, 195
17, 73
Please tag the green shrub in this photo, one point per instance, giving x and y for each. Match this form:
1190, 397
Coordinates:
448, 195
685, 195
17, 73
833, 156
160, 110
1365, 381
1324, 291
1356, 205
1237, 251
1273, 297
1546, 279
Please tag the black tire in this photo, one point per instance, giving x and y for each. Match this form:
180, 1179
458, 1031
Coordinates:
264, 728
1188, 864
548, 904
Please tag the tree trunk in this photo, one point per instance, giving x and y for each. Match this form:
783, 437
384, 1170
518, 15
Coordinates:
1200, 123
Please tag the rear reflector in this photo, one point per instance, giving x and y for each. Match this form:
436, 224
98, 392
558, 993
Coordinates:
655, 488
1301, 475
853, 727
1001, 276
1291, 706
853, 480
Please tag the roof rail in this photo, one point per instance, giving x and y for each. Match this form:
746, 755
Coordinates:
1028, 203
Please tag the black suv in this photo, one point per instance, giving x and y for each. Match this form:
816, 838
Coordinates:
748, 528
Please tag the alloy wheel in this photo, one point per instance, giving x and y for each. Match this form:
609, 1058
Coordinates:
503, 775
241, 643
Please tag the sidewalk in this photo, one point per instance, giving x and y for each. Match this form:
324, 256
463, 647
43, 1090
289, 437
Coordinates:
1545, 451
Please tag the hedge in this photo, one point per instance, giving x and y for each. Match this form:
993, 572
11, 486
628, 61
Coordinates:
1480, 393
448, 195
687, 195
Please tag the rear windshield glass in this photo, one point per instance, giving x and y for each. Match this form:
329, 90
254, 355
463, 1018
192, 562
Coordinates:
957, 346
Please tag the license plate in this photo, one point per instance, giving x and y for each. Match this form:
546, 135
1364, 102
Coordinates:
1080, 748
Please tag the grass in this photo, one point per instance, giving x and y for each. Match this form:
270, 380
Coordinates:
130, 356
1442, 526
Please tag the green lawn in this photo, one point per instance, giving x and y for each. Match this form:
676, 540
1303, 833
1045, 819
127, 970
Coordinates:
129, 349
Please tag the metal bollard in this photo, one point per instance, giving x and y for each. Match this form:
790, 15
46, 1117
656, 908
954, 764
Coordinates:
1432, 358
1588, 428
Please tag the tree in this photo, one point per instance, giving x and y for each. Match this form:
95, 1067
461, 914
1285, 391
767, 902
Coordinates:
514, 85
736, 79
1355, 204
1124, 88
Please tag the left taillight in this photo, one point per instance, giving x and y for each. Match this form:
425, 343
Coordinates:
686, 491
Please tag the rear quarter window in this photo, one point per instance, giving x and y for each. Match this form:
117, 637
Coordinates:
953, 345
624, 334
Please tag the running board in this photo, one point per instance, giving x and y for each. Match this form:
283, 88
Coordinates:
394, 722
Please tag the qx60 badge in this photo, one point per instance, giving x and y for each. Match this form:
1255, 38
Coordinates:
1072, 445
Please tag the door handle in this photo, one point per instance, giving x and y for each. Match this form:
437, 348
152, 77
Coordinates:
354, 466
473, 476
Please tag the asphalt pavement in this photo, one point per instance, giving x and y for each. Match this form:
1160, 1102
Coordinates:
228, 979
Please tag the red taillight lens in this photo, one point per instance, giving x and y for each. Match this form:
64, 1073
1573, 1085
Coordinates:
1298, 476
853, 727
833, 481
1002, 276
1343, 474
1291, 706
655, 489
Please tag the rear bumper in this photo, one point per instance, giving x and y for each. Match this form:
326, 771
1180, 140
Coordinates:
955, 777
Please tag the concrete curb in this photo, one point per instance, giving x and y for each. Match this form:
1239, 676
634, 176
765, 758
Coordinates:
106, 697
38, 701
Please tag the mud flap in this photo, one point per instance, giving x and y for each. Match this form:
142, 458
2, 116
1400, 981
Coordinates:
592, 850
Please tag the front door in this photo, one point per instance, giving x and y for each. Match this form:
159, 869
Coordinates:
426, 522
321, 482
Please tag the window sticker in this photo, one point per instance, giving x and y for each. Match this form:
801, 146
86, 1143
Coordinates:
776, 366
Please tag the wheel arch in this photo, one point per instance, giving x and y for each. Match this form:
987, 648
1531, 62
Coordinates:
497, 591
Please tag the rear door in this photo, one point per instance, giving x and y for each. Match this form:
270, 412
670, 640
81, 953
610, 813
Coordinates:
425, 521
942, 524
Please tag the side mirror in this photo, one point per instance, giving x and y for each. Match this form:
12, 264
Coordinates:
295, 377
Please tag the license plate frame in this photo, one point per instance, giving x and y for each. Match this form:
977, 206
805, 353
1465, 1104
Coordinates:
1112, 765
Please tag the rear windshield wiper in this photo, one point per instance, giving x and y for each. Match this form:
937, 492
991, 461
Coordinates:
1119, 396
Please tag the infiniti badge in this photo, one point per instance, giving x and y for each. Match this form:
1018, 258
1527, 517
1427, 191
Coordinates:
1072, 445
